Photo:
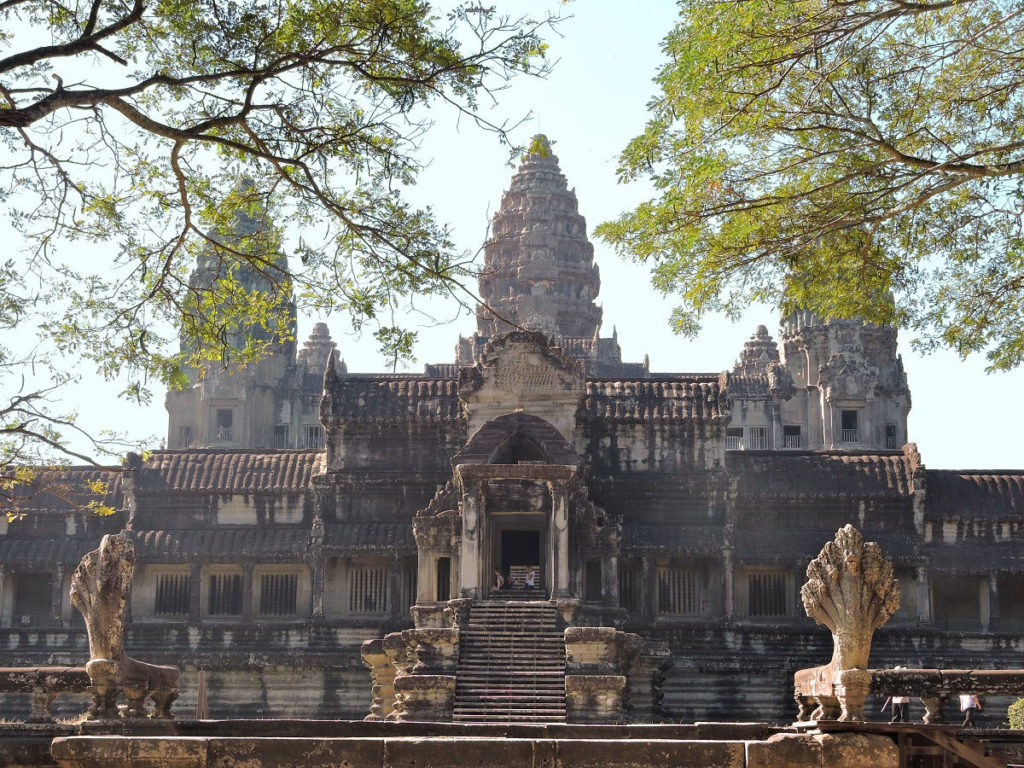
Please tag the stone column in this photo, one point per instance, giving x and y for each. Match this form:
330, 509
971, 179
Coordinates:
728, 583
559, 538
469, 565
426, 573
610, 577
649, 594
396, 610
247, 605
317, 564
924, 596
57, 594
827, 432
195, 597
984, 604
4, 618
993, 602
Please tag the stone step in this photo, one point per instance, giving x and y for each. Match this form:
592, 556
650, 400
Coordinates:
509, 719
524, 698
508, 711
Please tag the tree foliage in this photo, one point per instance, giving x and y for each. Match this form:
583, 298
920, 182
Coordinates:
153, 128
835, 155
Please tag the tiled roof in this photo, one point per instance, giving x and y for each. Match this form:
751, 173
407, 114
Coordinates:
68, 488
229, 471
226, 544
983, 558
351, 537
653, 400
675, 538
796, 475
43, 553
952, 493
393, 399
767, 545
744, 386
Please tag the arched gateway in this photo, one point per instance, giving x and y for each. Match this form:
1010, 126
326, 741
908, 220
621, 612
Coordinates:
517, 500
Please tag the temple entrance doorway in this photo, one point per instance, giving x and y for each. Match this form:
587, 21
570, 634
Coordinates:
518, 548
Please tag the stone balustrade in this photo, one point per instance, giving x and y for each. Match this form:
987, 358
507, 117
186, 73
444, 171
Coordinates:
604, 668
817, 698
44, 684
413, 674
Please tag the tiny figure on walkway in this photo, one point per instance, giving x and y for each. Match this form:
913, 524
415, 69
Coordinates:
969, 704
499, 580
531, 579
899, 708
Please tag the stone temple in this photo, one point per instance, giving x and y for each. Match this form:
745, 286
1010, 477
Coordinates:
300, 510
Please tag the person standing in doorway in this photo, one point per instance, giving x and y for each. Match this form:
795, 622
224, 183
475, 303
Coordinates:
499, 580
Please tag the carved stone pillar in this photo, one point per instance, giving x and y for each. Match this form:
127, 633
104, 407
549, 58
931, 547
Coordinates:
317, 566
728, 583
195, 593
559, 539
382, 674
993, 603
57, 595
396, 610
610, 573
471, 549
4, 618
924, 596
649, 580
247, 576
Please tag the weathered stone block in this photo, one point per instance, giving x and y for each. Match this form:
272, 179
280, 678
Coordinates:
433, 651
594, 698
458, 753
856, 750
424, 697
632, 753
784, 750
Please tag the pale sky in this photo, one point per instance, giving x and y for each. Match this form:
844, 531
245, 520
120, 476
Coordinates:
592, 104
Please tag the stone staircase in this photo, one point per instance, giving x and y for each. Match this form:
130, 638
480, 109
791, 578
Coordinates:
511, 664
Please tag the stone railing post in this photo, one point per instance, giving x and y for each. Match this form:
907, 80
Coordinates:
382, 675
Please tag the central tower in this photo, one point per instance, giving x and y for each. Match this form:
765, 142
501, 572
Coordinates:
539, 272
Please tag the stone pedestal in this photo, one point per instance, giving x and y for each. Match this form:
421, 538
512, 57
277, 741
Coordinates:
594, 698
598, 661
428, 615
432, 651
425, 698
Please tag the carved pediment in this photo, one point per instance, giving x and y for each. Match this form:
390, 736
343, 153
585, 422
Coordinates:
521, 364
847, 376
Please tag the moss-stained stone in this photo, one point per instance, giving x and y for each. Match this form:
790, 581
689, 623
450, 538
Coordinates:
856, 750
784, 750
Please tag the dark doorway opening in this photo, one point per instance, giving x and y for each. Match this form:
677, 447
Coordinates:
520, 553
444, 579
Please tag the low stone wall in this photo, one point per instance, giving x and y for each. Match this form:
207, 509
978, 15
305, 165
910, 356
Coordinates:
932, 686
845, 750
44, 684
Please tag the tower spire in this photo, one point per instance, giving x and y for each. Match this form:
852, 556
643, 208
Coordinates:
539, 270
